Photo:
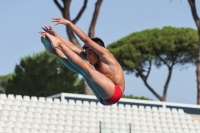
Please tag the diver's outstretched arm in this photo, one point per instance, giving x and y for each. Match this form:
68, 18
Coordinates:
87, 40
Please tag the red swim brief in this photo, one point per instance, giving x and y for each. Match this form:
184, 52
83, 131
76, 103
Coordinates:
114, 98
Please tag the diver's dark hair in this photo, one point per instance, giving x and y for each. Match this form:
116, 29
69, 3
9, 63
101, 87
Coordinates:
97, 40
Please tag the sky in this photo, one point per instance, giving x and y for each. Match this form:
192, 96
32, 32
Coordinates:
21, 22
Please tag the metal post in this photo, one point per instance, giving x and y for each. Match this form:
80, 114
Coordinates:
129, 127
99, 126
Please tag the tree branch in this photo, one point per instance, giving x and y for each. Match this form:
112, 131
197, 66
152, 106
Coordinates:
94, 19
152, 90
66, 15
80, 12
163, 61
149, 69
58, 5
193, 9
66, 12
194, 13
139, 73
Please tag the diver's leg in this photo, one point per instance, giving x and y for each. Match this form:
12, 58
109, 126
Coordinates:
71, 67
65, 61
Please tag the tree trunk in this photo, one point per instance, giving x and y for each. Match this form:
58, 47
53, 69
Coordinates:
198, 78
197, 22
94, 19
145, 77
167, 83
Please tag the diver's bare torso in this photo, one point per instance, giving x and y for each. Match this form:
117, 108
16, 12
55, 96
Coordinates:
108, 66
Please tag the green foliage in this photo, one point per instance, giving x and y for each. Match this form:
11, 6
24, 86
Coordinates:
135, 97
2, 90
43, 75
162, 46
3, 82
4, 78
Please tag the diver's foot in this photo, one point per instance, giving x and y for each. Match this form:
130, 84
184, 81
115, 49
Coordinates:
55, 42
47, 45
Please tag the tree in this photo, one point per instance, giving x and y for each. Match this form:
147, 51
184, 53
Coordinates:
43, 75
135, 97
168, 47
197, 22
3, 82
2, 90
66, 14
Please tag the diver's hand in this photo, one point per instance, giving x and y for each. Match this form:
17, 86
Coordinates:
49, 29
60, 21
